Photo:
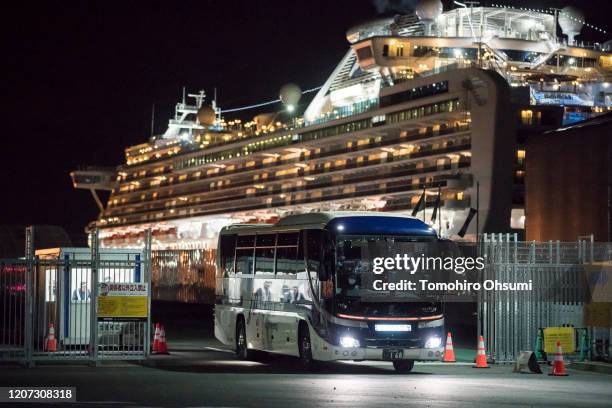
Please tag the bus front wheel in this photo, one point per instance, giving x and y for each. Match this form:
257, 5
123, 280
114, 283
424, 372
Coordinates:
305, 347
242, 350
403, 366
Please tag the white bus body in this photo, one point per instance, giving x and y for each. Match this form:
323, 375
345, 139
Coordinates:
265, 294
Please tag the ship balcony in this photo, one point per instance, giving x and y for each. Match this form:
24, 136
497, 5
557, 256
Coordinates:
390, 134
403, 174
387, 187
318, 137
458, 141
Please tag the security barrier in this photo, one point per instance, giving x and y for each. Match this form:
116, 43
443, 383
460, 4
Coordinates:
13, 278
78, 304
510, 320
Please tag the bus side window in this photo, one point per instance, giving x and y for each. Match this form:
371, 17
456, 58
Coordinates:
264, 254
228, 246
313, 249
287, 261
245, 251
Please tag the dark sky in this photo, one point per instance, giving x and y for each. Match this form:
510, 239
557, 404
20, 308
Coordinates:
80, 78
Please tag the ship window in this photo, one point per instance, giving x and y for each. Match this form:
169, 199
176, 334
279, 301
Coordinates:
385, 50
364, 52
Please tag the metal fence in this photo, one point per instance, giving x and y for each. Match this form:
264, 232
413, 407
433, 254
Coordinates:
509, 320
13, 303
50, 308
186, 275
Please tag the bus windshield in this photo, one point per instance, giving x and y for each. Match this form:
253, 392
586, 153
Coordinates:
361, 275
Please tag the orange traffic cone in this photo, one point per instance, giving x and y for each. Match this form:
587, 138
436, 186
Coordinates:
481, 355
51, 341
558, 365
163, 347
449, 352
156, 338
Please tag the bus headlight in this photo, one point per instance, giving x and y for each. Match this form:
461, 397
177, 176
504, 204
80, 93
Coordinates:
348, 341
433, 342
431, 323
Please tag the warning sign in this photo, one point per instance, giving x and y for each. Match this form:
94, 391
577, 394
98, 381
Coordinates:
121, 301
563, 334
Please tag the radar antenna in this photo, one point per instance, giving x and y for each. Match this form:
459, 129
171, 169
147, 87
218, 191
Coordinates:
199, 98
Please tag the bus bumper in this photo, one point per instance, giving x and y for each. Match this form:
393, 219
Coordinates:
324, 351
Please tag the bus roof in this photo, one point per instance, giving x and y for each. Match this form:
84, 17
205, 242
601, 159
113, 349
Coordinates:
346, 222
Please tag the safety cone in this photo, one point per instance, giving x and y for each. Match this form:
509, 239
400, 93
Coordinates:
558, 365
163, 347
51, 341
449, 352
481, 355
156, 338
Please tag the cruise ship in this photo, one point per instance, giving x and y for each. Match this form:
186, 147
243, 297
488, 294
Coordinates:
426, 113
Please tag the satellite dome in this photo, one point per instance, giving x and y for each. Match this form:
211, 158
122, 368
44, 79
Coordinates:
429, 10
206, 116
290, 94
571, 21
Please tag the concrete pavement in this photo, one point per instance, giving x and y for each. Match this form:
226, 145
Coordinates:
204, 373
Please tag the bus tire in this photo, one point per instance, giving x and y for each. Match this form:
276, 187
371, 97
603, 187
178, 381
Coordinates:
305, 347
242, 349
403, 366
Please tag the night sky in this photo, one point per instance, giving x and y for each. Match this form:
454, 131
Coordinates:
80, 78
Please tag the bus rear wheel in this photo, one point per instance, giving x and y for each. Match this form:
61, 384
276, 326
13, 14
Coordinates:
403, 366
305, 348
242, 349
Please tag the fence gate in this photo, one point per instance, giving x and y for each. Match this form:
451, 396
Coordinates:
13, 278
79, 304
509, 320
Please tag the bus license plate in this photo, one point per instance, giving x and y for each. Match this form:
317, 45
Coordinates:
393, 354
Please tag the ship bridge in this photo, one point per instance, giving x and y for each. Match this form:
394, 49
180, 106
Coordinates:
516, 43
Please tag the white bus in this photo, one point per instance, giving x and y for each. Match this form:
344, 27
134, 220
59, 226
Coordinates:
303, 287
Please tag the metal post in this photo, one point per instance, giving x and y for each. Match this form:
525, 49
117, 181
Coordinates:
477, 208
147, 279
480, 310
440, 210
95, 264
480, 300
29, 305
424, 201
